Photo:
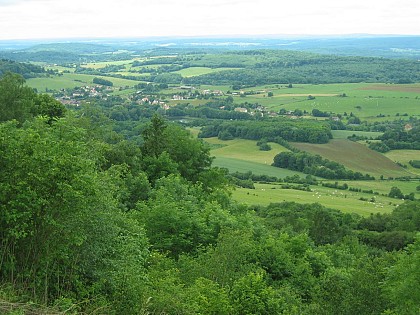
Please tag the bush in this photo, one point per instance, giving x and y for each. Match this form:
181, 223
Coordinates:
415, 163
102, 81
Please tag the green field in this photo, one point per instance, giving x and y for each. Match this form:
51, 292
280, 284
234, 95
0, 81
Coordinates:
241, 155
235, 165
373, 99
384, 186
195, 71
246, 150
404, 156
72, 80
344, 134
346, 201
53, 83
99, 65
356, 157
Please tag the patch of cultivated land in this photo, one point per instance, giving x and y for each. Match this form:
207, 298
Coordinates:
71, 80
413, 88
246, 150
241, 166
346, 201
240, 155
195, 71
356, 157
344, 134
404, 156
365, 100
384, 186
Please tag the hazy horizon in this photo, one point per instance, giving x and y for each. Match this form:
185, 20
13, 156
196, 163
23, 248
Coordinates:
77, 19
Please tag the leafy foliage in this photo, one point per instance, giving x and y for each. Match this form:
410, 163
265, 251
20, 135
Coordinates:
315, 165
271, 130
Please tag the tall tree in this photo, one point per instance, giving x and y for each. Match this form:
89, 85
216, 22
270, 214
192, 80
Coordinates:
16, 99
154, 140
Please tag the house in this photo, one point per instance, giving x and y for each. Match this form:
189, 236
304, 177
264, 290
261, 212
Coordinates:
177, 97
186, 87
408, 127
241, 110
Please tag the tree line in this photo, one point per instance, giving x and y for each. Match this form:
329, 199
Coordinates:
273, 130
316, 165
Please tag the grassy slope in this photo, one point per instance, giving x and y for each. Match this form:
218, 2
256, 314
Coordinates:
235, 165
241, 155
404, 156
355, 156
343, 134
195, 71
373, 99
345, 201
71, 80
245, 150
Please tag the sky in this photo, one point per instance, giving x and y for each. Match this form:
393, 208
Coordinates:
55, 19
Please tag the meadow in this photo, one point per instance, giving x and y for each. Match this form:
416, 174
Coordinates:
240, 155
195, 71
403, 157
241, 166
246, 150
72, 80
344, 134
356, 157
365, 100
345, 201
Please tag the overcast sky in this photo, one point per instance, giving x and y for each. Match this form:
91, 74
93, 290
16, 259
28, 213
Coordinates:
39, 19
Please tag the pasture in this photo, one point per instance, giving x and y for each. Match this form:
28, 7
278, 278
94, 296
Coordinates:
99, 65
365, 100
344, 134
240, 155
356, 157
72, 80
195, 71
404, 156
346, 201
384, 186
237, 165
246, 150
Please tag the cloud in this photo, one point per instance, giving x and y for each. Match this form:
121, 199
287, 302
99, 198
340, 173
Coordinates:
9, 2
133, 18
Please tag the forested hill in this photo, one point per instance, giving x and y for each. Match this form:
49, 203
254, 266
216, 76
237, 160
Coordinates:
62, 53
25, 69
407, 47
266, 67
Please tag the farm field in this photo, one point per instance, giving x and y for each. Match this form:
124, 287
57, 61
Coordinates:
346, 201
55, 83
194, 71
71, 80
384, 186
404, 156
246, 150
99, 65
356, 157
344, 134
236, 165
350, 89
370, 99
241, 155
